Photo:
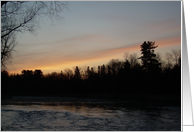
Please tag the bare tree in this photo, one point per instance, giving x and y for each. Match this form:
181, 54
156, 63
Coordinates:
7, 45
83, 72
133, 59
126, 55
168, 58
160, 59
69, 73
175, 55
20, 17
115, 65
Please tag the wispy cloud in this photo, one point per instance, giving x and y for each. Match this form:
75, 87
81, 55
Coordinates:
51, 61
93, 35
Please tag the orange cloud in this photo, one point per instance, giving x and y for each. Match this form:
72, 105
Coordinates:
169, 42
160, 43
57, 62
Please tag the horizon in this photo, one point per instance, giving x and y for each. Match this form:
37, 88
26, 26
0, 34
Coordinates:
93, 33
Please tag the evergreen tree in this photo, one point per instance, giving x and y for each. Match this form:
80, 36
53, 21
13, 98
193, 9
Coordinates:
149, 63
77, 73
103, 70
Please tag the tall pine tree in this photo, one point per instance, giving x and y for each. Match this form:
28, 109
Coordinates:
149, 63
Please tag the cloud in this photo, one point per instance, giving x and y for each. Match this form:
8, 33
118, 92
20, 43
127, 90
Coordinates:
168, 26
169, 42
105, 54
56, 60
159, 42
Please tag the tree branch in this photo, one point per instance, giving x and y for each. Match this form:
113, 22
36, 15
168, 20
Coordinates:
3, 2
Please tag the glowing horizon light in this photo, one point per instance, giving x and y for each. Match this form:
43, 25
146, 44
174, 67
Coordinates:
92, 35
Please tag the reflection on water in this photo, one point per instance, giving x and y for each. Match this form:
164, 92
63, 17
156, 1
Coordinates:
101, 117
76, 109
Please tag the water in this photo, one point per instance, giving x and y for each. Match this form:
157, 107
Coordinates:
99, 115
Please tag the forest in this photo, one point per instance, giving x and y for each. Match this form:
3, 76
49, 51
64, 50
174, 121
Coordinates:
147, 75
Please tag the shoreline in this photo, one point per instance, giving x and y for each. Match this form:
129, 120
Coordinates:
133, 100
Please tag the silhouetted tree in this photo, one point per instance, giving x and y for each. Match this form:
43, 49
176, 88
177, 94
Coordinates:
5, 83
109, 70
103, 73
83, 72
53, 76
88, 71
62, 75
27, 73
69, 73
117, 78
92, 72
127, 66
175, 55
98, 70
4, 74
24, 16
159, 57
148, 57
38, 73
133, 59
168, 59
126, 55
7, 45
77, 73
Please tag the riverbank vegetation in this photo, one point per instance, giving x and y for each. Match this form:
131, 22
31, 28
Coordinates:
144, 76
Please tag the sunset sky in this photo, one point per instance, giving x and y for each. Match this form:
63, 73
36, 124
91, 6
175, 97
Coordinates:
93, 33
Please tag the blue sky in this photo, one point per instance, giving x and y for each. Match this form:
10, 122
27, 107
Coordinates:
92, 33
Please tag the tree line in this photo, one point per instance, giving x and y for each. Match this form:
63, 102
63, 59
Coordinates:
146, 75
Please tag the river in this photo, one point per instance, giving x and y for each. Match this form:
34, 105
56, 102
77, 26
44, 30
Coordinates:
55, 114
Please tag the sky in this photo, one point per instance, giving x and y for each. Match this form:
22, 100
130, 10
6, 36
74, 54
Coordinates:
94, 32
